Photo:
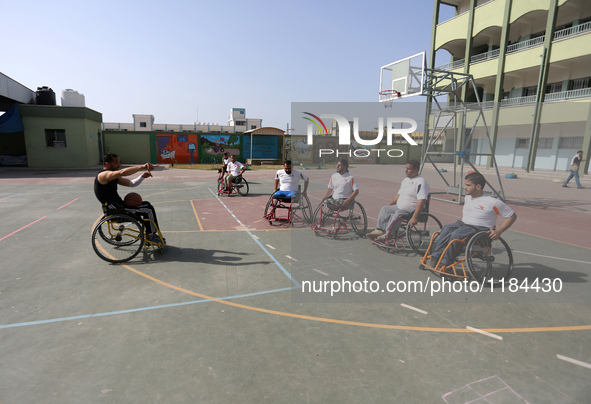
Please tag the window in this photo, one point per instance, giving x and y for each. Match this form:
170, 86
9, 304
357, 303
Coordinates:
571, 142
143, 125
527, 91
554, 87
545, 143
579, 84
240, 123
55, 137
522, 143
253, 126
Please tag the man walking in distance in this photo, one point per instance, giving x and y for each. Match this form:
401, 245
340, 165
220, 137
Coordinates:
575, 163
409, 201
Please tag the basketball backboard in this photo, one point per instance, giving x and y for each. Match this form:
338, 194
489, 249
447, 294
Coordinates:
405, 76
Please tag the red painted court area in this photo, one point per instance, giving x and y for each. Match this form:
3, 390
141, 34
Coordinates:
233, 213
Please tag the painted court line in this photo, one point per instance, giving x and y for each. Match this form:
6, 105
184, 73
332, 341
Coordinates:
576, 362
24, 227
320, 272
270, 246
291, 278
488, 334
555, 258
112, 313
67, 203
291, 258
8, 197
413, 308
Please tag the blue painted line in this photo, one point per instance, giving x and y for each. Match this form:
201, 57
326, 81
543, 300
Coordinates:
112, 313
291, 278
11, 196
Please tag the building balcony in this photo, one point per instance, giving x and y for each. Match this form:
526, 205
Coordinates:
521, 46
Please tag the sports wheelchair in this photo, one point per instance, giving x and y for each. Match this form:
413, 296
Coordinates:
417, 236
238, 186
486, 260
335, 220
300, 205
120, 235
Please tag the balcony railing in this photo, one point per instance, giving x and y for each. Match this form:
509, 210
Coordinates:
530, 43
568, 95
577, 29
456, 64
485, 56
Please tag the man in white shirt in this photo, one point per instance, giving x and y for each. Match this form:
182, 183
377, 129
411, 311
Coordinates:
409, 201
479, 214
235, 169
287, 180
343, 186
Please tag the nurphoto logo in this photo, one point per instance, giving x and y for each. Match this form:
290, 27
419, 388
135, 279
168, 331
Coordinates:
345, 134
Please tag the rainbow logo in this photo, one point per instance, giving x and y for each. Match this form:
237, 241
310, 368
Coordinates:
322, 132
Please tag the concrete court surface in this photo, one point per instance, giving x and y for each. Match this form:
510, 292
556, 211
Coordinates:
219, 317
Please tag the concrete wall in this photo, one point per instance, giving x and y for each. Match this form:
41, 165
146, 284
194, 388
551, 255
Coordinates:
81, 126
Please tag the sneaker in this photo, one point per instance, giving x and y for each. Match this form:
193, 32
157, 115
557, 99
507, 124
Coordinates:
382, 238
580, 187
375, 233
433, 261
565, 186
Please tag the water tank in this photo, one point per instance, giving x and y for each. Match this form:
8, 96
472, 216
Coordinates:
72, 98
45, 96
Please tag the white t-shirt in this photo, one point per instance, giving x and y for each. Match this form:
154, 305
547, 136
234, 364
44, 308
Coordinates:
289, 182
235, 168
343, 185
483, 211
226, 161
411, 190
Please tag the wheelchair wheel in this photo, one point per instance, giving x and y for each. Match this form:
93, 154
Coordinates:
419, 236
489, 260
358, 219
242, 187
305, 207
269, 209
118, 238
322, 218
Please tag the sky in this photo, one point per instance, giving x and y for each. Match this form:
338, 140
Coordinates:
192, 61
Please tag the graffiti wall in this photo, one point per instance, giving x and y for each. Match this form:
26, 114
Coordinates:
212, 147
177, 148
298, 150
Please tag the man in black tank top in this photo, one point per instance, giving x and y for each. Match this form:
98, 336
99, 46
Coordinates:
105, 188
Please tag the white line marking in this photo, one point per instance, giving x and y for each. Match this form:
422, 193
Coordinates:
254, 237
270, 246
556, 258
413, 308
576, 362
320, 272
11, 196
350, 262
291, 258
488, 334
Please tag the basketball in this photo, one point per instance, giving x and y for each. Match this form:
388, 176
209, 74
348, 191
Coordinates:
132, 199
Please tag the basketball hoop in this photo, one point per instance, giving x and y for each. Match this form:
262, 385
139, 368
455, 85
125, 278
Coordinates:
388, 97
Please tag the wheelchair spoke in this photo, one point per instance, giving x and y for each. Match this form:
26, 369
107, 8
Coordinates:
489, 260
118, 238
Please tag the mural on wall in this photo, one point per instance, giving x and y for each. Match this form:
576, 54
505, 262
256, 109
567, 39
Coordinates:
263, 147
175, 148
214, 146
298, 150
